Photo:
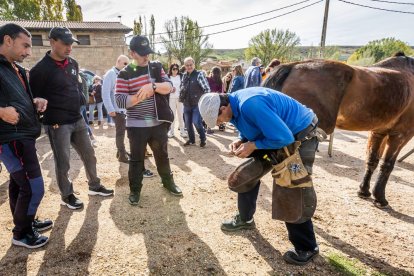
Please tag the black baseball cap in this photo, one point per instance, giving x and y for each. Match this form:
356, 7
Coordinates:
140, 45
63, 34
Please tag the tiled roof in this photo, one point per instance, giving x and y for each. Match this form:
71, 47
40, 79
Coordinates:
72, 25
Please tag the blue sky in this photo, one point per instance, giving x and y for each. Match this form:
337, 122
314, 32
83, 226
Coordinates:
347, 24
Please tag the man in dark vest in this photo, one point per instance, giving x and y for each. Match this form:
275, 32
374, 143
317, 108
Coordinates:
20, 127
193, 86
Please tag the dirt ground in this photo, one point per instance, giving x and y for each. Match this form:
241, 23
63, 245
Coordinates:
166, 235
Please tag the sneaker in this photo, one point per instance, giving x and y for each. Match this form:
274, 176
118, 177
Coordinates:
202, 144
90, 122
134, 198
222, 127
101, 190
299, 257
236, 224
148, 174
209, 131
42, 225
183, 134
72, 202
188, 143
111, 124
170, 135
173, 189
32, 240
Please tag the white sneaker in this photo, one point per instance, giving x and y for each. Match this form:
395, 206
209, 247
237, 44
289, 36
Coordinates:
184, 134
111, 124
170, 135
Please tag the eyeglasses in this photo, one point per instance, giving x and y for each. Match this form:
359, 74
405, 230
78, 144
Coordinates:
175, 69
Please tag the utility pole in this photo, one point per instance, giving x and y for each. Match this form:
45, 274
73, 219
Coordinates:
325, 23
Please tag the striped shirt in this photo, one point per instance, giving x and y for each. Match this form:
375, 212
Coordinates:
128, 83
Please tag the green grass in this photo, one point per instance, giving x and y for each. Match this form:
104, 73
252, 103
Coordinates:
348, 266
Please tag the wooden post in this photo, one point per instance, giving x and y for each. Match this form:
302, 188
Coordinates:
330, 144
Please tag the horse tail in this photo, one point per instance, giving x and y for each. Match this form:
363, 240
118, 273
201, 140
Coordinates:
278, 77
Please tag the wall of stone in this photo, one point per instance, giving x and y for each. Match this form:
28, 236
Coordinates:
98, 57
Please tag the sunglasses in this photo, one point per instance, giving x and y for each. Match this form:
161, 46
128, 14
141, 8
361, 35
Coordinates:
175, 69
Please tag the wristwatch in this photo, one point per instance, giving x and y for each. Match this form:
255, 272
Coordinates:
154, 86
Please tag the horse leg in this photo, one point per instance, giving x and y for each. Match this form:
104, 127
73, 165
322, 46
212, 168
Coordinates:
394, 145
374, 152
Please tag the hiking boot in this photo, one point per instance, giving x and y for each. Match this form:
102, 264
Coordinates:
31, 240
236, 224
101, 190
188, 143
72, 202
202, 144
148, 174
42, 225
299, 257
173, 189
134, 198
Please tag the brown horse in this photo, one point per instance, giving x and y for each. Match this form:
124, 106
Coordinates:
379, 98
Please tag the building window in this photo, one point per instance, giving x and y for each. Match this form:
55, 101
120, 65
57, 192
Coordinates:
37, 40
84, 39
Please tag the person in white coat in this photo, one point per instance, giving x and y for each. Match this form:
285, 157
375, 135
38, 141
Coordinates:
176, 106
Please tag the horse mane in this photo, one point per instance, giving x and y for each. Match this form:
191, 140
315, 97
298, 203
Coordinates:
278, 76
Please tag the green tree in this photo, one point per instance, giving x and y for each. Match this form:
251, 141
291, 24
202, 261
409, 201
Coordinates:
138, 26
20, 9
185, 38
51, 10
273, 43
73, 11
377, 50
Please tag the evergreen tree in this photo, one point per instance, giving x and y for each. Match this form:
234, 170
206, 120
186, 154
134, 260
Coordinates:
73, 11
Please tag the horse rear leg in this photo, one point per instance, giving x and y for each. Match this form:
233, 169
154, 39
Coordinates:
374, 153
394, 145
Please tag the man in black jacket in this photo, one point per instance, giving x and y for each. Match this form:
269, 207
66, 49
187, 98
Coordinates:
55, 78
19, 129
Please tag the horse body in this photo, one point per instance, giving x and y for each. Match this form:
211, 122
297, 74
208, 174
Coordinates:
379, 99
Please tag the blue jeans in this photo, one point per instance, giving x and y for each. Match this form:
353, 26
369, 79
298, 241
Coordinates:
192, 116
75, 135
100, 112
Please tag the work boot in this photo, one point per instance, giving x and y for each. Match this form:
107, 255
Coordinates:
169, 184
236, 224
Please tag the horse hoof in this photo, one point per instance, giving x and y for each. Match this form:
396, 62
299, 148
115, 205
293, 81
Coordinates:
381, 205
364, 195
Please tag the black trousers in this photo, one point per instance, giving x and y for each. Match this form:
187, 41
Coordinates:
302, 236
26, 186
156, 137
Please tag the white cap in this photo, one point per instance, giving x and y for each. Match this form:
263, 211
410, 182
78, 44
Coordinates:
209, 105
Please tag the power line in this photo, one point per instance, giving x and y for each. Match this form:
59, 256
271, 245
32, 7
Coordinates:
248, 25
241, 18
392, 2
375, 8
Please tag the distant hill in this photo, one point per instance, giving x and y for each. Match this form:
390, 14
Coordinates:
238, 54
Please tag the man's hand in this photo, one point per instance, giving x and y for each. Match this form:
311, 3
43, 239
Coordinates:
145, 92
235, 145
112, 114
245, 149
9, 115
40, 103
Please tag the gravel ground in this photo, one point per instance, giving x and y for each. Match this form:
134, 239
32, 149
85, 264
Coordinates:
166, 235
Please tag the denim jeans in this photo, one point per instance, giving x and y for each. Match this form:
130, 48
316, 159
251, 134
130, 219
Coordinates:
301, 235
192, 116
85, 117
61, 138
120, 122
156, 137
92, 108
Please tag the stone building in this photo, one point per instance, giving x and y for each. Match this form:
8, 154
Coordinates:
100, 42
